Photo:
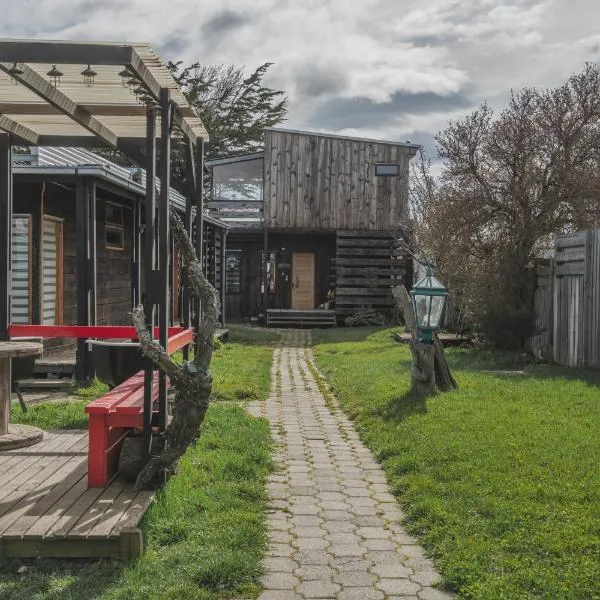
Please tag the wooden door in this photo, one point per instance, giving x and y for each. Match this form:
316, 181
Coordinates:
303, 281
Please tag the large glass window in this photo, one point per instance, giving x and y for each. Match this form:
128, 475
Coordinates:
233, 271
240, 181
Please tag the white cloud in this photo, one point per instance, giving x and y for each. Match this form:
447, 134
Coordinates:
328, 51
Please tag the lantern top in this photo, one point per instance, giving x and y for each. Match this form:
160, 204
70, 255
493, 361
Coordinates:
431, 284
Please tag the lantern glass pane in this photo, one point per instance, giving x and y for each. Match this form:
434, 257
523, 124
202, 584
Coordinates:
422, 303
437, 305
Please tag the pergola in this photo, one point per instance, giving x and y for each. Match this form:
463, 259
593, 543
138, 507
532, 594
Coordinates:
116, 95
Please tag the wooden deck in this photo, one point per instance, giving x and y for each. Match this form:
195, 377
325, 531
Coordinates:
46, 508
283, 317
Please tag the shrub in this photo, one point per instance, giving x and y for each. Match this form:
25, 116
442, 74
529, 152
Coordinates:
365, 318
508, 328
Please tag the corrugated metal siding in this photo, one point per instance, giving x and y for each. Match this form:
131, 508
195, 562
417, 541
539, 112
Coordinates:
21, 269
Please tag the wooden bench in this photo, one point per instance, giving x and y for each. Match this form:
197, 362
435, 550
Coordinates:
110, 417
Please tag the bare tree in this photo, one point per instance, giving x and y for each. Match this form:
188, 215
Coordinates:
509, 184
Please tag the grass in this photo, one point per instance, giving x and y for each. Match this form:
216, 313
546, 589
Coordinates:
241, 368
499, 479
204, 535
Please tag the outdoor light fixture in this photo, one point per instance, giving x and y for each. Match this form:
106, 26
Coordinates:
89, 75
428, 297
125, 75
54, 74
14, 71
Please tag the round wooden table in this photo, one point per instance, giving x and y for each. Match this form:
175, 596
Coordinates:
14, 436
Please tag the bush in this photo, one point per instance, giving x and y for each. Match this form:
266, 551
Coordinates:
507, 328
365, 318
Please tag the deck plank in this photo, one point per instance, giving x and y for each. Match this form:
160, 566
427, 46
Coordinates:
67, 477
40, 485
46, 508
87, 521
17, 482
113, 514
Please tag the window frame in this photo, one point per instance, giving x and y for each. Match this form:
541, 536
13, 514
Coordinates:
238, 254
388, 165
114, 225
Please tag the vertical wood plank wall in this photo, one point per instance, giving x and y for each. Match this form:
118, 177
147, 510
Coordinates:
567, 297
318, 182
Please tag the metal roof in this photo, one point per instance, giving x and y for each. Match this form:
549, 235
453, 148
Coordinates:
47, 160
73, 114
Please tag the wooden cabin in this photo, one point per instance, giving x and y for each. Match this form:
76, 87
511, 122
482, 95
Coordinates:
314, 223
56, 277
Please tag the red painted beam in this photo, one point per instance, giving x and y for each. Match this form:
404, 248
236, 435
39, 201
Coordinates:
124, 332
179, 340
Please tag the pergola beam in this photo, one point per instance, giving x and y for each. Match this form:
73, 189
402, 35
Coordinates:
49, 52
17, 129
44, 89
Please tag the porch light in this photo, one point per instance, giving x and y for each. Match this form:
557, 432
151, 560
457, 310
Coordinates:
89, 75
125, 75
54, 74
14, 71
428, 297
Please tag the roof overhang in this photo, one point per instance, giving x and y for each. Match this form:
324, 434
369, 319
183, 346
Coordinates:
36, 112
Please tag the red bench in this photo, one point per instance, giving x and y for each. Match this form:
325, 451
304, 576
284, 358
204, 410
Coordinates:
110, 417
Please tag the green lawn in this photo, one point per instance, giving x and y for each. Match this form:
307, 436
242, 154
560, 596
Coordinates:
205, 533
500, 479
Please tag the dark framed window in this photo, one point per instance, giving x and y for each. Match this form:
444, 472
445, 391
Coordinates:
114, 227
233, 271
387, 170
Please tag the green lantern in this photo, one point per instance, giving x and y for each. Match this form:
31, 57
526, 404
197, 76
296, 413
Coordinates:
428, 297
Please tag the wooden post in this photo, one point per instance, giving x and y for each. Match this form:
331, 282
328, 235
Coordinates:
164, 244
223, 274
85, 213
5, 235
199, 241
149, 265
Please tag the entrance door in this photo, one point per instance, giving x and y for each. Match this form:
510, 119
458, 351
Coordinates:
303, 280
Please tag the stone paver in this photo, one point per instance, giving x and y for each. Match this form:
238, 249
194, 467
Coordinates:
334, 526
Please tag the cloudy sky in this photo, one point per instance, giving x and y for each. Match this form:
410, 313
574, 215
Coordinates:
391, 69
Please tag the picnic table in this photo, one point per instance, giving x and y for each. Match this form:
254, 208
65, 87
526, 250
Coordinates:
14, 436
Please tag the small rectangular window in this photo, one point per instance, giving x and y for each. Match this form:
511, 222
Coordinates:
233, 271
115, 237
387, 170
114, 230
113, 214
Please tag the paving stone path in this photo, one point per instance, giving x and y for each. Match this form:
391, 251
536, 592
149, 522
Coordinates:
333, 524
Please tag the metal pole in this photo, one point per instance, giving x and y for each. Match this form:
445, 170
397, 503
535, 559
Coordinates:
186, 317
5, 233
164, 242
149, 264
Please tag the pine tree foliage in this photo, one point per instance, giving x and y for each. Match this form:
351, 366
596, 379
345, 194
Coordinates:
234, 108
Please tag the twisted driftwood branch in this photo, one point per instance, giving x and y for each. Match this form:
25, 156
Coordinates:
192, 380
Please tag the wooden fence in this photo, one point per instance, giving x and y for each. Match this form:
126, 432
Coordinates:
567, 302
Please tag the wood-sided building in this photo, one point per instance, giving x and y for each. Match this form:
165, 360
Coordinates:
313, 217
77, 239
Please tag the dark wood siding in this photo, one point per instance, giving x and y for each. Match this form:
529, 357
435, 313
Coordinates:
113, 268
324, 182
246, 303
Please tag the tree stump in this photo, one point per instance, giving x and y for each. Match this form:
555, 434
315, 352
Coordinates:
423, 371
